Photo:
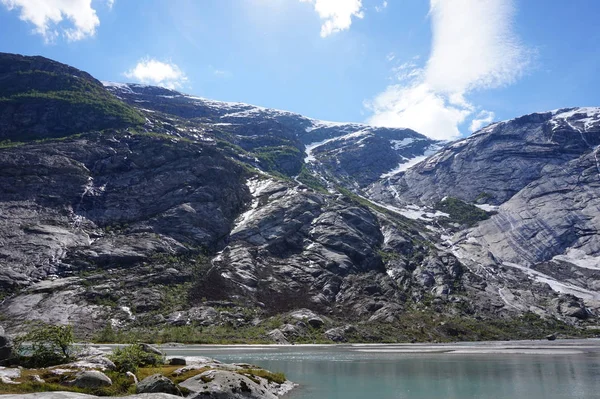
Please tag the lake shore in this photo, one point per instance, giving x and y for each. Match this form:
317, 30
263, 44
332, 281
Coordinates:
538, 347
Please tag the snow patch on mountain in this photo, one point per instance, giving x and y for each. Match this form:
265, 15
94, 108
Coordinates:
579, 258
318, 124
410, 162
257, 187
309, 148
579, 119
558, 286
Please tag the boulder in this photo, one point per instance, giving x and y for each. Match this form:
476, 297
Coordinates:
37, 378
579, 313
91, 379
157, 383
222, 384
151, 349
338, 334
7, 375
309, 317
98, 362
132, 376
177, 361
278, 337
291, 330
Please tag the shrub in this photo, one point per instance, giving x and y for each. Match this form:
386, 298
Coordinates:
46, 345
132, 357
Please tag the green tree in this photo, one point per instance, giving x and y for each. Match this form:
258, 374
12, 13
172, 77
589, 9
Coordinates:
46, 345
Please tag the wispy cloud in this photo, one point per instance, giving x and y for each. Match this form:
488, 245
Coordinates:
110, 4
336, 14
482, 119
154, 72
474, 47
220, 73
382, 6
74, 19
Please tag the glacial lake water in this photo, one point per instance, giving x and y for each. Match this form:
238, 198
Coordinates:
493, 370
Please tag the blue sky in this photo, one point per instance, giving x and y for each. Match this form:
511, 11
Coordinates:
442, 67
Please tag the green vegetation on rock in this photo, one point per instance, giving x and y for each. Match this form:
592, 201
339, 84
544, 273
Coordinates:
307, 178
460, 212
50, 99
284, 159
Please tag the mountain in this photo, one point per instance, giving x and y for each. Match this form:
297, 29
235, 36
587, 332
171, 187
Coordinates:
41, 99
179, 212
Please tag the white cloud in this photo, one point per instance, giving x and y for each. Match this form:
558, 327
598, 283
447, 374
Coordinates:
484, 118
381, 7
417, 107
74, 19
473, 48
406, 71
151, 71
110, 4
337, 14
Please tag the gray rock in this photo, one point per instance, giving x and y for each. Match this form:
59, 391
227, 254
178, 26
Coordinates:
97, 362
221, 384
278, 337
151, 349
290, 330
157, 383
8, 375
132, 376
37, 378
91, 379
177, 361
309, 317
339, 334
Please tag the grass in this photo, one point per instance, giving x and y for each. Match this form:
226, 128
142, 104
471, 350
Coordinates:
213, 335
10, 144
122, 384
422, 322
278, 378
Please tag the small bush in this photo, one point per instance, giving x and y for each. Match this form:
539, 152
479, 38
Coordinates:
132, 357
45, 345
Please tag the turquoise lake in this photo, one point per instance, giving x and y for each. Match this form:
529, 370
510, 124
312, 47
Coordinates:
528, 370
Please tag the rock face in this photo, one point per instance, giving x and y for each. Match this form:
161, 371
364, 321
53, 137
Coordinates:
202, 213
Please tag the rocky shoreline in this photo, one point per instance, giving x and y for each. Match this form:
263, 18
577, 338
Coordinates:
191, 377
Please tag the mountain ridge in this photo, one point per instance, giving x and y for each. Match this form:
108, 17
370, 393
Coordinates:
231, 219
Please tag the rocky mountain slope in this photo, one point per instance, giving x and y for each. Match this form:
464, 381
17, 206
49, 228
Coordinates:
182, 212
